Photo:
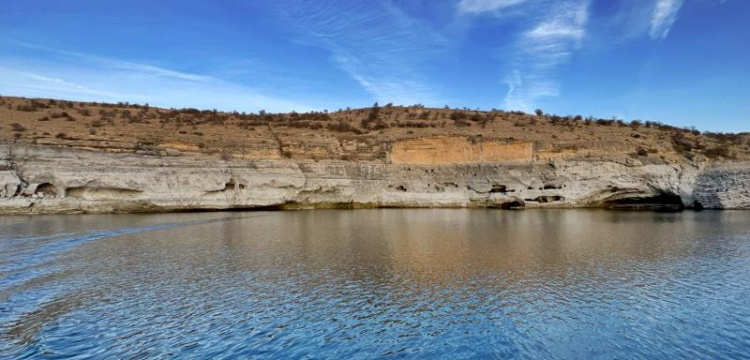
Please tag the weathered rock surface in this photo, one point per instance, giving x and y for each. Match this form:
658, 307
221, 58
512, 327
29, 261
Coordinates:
43, 179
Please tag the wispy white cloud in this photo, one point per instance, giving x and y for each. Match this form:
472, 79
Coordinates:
43, 83
117, 64
376, 43
541, 50
663, 17
480, 6
81, 76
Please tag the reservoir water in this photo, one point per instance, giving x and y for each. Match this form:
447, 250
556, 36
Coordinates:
451, 284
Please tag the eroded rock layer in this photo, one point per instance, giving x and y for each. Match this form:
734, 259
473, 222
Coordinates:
439, 172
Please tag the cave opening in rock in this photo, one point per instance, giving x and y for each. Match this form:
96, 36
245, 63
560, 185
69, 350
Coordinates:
663, 202
548, 199
501, 189
47, 189
513, 205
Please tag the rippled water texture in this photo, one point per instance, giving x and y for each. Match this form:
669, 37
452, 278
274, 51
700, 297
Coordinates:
381, 283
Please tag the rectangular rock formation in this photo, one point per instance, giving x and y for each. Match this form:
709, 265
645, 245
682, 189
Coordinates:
458, 150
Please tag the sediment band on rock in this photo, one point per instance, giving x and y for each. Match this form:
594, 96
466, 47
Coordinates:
46, 179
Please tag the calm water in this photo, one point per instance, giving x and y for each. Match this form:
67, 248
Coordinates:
381, 283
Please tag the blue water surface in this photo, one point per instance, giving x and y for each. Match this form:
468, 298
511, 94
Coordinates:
377, 284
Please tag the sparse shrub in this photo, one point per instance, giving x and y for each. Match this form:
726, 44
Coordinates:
719, 151
26, 107
58, 114
343, 126
458, 115
17, 127
374, 112
681, 143
461, 123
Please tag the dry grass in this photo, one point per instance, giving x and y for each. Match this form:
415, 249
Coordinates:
363, 134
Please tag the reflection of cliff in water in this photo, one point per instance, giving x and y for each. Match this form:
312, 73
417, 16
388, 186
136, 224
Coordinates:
381, 246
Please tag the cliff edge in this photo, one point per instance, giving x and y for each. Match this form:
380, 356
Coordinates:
342, 161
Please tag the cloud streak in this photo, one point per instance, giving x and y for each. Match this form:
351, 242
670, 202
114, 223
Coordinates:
81, 76
43, 83
481, 6
541, 50
375, 43
663, 17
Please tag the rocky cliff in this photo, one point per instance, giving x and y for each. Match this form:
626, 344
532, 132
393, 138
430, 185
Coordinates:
429, 172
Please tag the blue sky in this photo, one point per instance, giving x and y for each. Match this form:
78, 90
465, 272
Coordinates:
683, 62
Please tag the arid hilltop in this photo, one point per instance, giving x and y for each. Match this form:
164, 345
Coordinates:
367, 134
63, 156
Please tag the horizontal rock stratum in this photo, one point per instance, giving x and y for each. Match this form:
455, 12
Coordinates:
59, 180
282, 165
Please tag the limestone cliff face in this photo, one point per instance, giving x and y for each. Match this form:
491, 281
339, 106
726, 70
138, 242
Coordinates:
419, 173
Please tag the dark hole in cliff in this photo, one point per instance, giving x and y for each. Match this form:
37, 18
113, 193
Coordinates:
401, 188
549, 199
242, 186
47, 189
499, 189
513, 205
661, 203
551, 187
697, 206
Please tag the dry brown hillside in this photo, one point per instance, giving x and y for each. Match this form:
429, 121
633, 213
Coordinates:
358, 134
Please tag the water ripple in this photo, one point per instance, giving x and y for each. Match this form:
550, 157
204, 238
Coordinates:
374, 284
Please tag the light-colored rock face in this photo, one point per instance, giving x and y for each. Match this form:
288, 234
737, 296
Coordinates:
9, 184
53, 180
724, 186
